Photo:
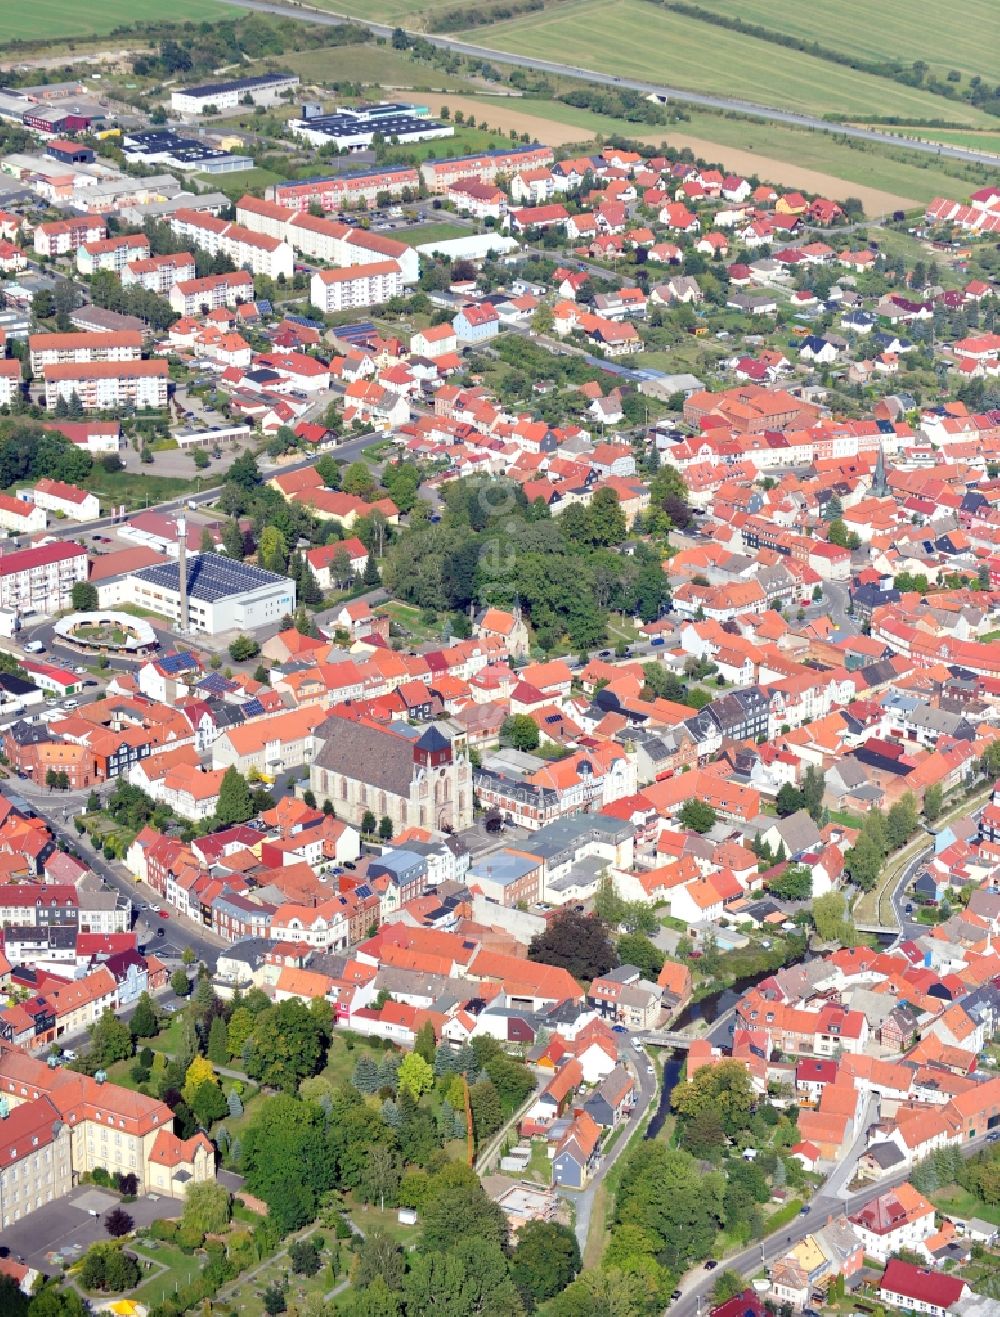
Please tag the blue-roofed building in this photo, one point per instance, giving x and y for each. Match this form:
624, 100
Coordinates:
403, 875
222, 595
507, 878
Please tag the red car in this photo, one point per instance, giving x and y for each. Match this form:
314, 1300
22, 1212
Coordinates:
163, 915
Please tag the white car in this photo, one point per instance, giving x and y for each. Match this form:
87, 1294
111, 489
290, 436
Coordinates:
650, 1070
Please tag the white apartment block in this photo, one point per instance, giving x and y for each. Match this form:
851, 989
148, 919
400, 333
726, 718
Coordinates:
58, 349
10, 380
191, 297
108, 386
112, 253
61, 237
42, 579
249, 250
327, 240
356, 286
158, 274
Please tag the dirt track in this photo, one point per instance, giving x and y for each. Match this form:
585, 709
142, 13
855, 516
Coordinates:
502, 113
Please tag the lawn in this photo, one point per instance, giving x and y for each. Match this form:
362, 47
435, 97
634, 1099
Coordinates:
467, 141
136, 489
409, 619
370, 1218
380, 66
430, 232
52, 19
240, 182
633, 38
181, 1268
408, 13
906, 30
955, 1201
340, 1061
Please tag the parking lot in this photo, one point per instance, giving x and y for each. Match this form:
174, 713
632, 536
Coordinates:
63, 1230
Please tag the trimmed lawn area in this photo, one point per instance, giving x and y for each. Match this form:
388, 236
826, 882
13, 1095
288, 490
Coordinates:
956, 1201
242, 181
431, 232
467, 141
63, 18
341, 1060
181, 1268
368, 1217
409, 618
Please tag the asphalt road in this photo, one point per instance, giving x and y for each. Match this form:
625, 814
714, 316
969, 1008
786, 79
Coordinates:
681, 95
698, 1284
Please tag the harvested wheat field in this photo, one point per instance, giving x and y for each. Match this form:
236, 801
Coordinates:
503, 113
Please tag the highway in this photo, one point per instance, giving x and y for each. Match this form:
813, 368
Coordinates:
681, 95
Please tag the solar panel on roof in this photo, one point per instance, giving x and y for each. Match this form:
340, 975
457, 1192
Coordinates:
210, 577
264, 306
252, 709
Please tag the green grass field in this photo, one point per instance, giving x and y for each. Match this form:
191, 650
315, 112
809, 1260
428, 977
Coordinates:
430, 232
52, 19
380, 65
635, 39
242, 181
956, 137
408, 13
907, 30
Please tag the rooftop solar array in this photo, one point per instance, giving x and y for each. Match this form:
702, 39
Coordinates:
174, 663
210, 576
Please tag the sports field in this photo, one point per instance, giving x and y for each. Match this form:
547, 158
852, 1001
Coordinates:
30, 20
783, 155
632, 38
945, 37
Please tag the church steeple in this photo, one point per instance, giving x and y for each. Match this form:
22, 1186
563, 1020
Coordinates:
880, 481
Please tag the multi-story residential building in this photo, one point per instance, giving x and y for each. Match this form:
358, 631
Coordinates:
39, 905
342, 191
901, 1218
58, 349
112, 253
191, 297
357, 285
10, 380
158, 274
256, 252
107, 386
60, 237
438, 175
41, 580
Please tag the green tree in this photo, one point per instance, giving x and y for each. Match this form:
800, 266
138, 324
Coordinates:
458, 1208
180, 984
837, 533
272, 550
368, 823
235, 803
545, 1260
385, 828
145, 1022
728, 1285
471, 1277
380, 1258
232, 541
724, 1089
209, 1104
933, 803
287, 1045
83, 597
207, 1208
415, 1075
636, 949
218, 1042
424, 1043
358, 479
110, 1040
697, 815
795, 884
520, 731
829, 914
902, 821
243, 648
863, 861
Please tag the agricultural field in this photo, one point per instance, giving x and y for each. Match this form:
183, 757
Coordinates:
906, 30
635, 39
407, 13
47, 19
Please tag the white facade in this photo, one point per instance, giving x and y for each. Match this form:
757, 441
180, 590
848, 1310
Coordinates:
108, 386
357, 285
228, 95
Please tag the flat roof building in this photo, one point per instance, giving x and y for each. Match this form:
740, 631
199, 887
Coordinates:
222, 595
264, 89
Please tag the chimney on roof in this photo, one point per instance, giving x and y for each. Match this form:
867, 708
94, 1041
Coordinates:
182, 571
